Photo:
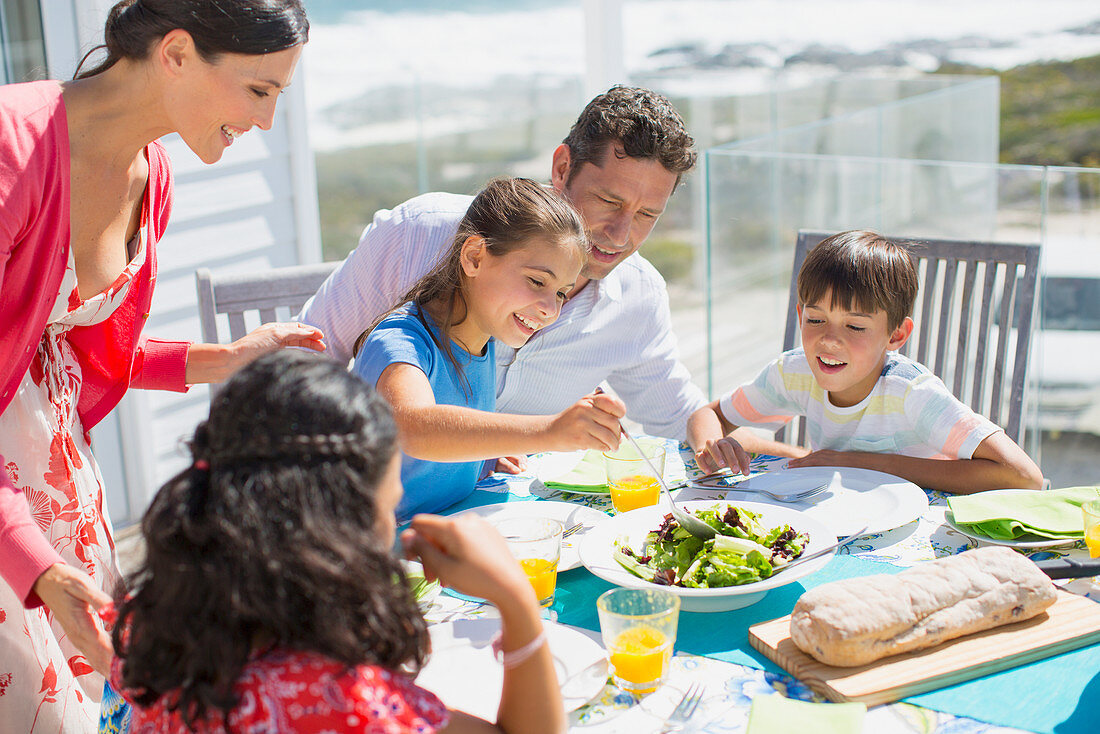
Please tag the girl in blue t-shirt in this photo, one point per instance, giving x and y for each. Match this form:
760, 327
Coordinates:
514, 259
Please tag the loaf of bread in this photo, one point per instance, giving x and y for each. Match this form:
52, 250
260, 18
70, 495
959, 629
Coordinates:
856, 621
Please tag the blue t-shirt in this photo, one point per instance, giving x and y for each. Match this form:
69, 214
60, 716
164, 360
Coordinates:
403, 336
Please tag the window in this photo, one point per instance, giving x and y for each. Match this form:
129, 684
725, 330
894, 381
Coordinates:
21, 41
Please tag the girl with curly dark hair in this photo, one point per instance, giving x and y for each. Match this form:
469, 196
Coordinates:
269, 598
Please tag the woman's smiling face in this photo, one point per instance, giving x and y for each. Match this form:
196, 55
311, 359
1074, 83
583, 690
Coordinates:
213, 103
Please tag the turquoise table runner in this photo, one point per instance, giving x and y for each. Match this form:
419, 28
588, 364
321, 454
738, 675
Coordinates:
1059, 695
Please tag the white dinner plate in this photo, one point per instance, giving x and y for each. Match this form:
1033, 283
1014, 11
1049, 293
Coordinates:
1030, 542
567, 513
463, 671
856, 498
597, 553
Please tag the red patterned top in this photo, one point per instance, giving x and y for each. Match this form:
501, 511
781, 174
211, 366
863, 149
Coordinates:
292, 691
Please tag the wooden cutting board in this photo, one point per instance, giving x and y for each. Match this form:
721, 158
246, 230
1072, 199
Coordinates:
1071, 622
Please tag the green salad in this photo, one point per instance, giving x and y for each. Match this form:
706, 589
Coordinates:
743, 551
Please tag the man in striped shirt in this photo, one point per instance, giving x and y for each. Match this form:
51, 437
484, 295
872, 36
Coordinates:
865, 405
619, 164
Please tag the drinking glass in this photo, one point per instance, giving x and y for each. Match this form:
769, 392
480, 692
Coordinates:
638, 627
633, 484
1091, 511
536, 544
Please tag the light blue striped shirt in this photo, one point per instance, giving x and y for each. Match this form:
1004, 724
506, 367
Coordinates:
617, 330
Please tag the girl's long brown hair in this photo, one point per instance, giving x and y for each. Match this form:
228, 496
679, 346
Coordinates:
509, 213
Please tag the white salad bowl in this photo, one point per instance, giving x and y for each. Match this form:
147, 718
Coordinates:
597, 552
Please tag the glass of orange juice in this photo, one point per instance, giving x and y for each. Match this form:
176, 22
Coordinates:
632, 482
638, 627
1091, 510
536, 544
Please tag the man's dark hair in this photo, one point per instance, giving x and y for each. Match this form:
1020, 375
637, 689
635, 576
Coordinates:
863, 269
644, 123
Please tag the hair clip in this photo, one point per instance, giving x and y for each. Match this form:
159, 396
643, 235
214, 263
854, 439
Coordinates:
202, 465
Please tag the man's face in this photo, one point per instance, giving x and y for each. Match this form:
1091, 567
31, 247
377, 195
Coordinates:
620, 201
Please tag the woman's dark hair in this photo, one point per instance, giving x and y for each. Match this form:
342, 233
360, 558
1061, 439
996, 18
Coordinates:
268, 540
216, 26
509, 214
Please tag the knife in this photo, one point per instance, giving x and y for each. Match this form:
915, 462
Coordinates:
1069, 568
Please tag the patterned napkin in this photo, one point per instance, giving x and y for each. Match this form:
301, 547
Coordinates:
589, 475
778, 714
1007, 514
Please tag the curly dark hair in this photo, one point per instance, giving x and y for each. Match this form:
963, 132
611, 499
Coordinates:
267, 540
643, 122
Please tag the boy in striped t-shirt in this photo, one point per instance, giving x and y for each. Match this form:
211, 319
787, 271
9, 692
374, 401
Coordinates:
865, 405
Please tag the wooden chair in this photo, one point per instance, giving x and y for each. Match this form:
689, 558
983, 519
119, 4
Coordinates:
277, 294
973, 317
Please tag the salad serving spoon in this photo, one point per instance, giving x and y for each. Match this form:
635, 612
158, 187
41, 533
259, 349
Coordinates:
828, 549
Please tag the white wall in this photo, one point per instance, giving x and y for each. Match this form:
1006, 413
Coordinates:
254, 209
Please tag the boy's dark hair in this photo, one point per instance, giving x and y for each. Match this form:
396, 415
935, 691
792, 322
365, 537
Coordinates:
643, 122
863, 269
268, 540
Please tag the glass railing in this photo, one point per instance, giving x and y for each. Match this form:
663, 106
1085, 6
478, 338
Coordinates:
823, 176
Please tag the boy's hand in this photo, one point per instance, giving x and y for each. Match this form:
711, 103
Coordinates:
721, 453
827, 457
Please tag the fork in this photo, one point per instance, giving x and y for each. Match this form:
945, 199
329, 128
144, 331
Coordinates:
683, 711
572, 530
711, 481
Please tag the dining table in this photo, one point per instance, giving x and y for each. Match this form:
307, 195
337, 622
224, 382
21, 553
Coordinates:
1060, 694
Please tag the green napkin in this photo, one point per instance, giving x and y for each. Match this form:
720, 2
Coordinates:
776, 714
1006, 514
589, 475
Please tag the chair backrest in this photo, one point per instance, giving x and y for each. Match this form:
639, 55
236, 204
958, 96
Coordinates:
973, 317
277, 294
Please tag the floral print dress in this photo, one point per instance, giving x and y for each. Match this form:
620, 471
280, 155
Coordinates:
46, 685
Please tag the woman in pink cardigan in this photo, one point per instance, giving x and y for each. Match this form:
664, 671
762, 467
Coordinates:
85, 194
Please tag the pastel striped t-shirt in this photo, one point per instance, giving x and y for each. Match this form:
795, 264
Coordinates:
908, 412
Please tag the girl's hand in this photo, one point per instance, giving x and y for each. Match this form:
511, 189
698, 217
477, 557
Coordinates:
216, 362
590, 423
512, 464
73, 598
721, 453
468, 554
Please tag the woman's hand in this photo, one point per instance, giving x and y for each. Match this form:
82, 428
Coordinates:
723, 452
216, 362
468, 554
73, 598
590, 423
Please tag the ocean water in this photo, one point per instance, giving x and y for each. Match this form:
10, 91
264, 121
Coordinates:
358, 46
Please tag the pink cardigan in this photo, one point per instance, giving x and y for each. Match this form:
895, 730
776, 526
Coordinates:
34, 250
